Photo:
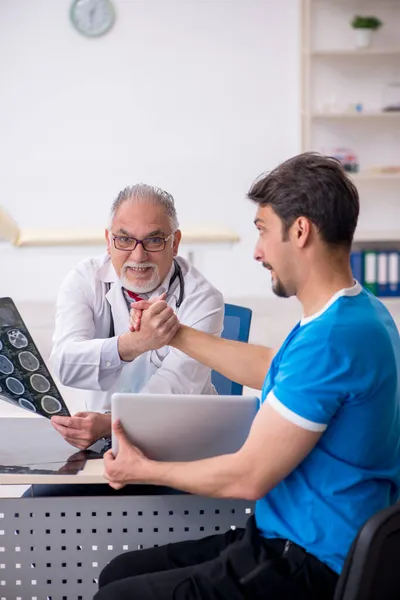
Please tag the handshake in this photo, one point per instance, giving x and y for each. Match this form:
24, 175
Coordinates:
152, 325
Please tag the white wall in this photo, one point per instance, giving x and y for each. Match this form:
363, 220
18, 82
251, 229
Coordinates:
197, 96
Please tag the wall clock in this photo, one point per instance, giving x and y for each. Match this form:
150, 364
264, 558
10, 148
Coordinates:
92, 17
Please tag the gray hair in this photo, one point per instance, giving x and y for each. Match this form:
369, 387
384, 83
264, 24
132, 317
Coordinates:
142, 192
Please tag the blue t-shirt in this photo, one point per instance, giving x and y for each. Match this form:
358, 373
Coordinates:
337, 372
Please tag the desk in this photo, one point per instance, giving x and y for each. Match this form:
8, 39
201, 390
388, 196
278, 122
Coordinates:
56, 547
32, 451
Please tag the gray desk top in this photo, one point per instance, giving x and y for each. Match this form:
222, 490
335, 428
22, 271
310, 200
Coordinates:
31, 451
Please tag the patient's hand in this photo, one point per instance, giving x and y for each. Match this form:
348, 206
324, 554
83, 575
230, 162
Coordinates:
129, 464
158, 325
83, 429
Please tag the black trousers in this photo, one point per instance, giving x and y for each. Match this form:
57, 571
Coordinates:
237, 565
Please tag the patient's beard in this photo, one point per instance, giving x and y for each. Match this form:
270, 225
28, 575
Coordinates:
137, 285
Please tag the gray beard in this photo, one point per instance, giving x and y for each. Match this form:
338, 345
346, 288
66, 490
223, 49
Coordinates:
145, 288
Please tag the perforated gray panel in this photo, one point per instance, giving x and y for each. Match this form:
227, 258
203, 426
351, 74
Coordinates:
55, 548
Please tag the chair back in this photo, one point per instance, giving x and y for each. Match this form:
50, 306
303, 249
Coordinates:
372, 567
237, 322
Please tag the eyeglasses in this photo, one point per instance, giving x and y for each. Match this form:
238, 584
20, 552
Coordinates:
150, 244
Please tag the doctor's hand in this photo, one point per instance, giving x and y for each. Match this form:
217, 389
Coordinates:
129, 464
158, 326
83, 429
137, 308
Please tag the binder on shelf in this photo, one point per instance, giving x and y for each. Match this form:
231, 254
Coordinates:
382, 274
393, 274
356, 263
370, 271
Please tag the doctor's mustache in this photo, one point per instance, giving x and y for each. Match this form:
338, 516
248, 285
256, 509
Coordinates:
267, 266
136, 265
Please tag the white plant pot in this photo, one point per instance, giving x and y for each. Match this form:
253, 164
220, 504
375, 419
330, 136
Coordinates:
363, 38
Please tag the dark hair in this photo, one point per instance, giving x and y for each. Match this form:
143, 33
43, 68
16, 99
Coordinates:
313, 186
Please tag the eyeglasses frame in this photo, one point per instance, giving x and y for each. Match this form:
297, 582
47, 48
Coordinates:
114, 237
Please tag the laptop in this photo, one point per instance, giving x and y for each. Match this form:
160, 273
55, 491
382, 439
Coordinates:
177, 427
25, 380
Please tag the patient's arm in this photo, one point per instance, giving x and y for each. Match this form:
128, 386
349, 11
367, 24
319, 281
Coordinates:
273, 449
245, 363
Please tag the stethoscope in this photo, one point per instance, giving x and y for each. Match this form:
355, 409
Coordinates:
176, 274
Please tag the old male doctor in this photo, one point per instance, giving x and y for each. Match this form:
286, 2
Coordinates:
93, 347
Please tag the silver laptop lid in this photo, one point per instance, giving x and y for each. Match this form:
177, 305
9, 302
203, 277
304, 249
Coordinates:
178, 427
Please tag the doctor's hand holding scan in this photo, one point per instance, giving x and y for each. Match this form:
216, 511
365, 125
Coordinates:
94, 345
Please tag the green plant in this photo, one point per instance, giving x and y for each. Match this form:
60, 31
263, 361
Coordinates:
366, 23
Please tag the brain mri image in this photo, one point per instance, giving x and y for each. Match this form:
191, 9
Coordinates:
24, 378
28, 361
15, 386
17, 338
6, 365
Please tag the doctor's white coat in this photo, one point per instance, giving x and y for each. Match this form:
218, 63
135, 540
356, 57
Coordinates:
86, 299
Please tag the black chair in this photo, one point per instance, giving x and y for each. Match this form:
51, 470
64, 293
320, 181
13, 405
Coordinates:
372, 567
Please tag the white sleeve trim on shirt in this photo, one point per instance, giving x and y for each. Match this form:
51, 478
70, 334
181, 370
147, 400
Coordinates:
291, 416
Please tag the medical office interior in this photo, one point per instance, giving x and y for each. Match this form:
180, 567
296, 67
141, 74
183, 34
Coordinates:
198, 97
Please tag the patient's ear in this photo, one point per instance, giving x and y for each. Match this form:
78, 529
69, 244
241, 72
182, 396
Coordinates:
107, 234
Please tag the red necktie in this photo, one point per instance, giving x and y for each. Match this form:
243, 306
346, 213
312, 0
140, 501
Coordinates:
135, 297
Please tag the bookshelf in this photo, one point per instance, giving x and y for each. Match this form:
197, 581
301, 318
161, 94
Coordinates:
344, 91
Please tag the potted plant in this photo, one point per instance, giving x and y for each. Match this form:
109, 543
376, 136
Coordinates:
364, 27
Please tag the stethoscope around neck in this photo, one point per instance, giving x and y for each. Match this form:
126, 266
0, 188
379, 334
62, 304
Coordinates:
177, 274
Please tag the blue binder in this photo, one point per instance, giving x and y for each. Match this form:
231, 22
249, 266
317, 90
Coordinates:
382, 274
357, 266
393, 273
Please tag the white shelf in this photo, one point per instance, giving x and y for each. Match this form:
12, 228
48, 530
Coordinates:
377, 236
349, 53
370, 176
11, 232
356, 116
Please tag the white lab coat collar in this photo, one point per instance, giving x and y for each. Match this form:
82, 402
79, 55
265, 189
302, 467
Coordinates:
114, 296
107, 272
119, 309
